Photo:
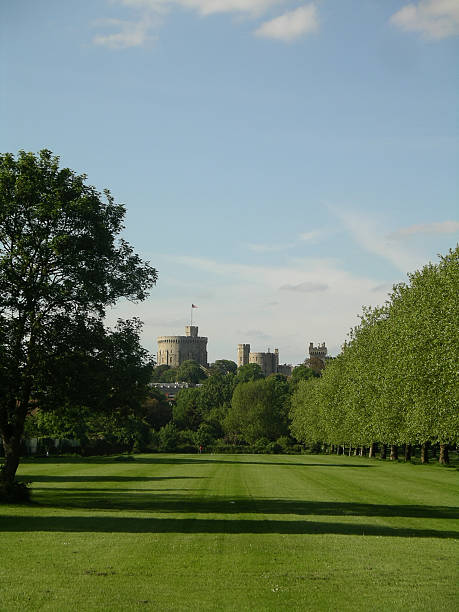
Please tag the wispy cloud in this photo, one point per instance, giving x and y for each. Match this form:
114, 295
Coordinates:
440, 227
305, 287
312, 236
270, 248
434, 19
246, 304
255, 334
370, 235
128, 34
208, 7
137, 32
290, 25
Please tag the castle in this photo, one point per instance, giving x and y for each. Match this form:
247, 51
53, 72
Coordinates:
318, 352
174, 350
268, 362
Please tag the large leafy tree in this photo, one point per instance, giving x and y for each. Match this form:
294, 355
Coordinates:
62, 263
191, 372
259, 409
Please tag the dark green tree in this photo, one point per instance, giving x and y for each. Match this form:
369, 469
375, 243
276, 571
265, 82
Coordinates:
223, 366
156, 410
191, 372
247, 373
160, 373
301, 372
187, 412
62, 262
259, 409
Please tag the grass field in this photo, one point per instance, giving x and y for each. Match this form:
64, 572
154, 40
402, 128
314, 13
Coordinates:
232, 532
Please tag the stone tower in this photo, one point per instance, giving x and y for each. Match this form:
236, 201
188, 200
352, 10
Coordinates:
319, 351
174, 350
243, 352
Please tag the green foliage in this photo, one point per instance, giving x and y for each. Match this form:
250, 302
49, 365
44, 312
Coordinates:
155, 410
247, 373
215, 391
396, 381
187, 413
168, 438
223, 366
164, 373
190, 371
301, 372
259, 409
62, 262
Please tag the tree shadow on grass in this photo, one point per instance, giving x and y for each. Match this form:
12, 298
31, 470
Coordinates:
163, 501
76, 524
194, 460
106, 478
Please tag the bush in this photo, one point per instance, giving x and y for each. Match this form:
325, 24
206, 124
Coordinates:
168, 438
261, 446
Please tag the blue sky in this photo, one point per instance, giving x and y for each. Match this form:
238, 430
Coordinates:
282, 162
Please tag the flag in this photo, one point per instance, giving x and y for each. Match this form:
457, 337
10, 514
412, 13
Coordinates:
193, 306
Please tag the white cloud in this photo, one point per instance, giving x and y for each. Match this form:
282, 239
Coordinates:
440, 227
270, 248
208, 7
240, 308
435, 19
290, 25
368, 233
130, 33
312, 236
305, 287
138, 32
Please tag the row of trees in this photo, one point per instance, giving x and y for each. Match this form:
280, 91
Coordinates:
397, 379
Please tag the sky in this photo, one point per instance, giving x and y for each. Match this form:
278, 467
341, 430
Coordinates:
282, 162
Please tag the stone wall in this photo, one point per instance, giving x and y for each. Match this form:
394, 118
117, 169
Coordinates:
174, 350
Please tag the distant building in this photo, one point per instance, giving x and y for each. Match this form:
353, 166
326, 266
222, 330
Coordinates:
268, 362
170, 390
285, 369
174, 350
317, 352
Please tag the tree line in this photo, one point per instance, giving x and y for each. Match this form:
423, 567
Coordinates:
396, 381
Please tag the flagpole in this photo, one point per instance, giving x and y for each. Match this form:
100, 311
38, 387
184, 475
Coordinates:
191, 315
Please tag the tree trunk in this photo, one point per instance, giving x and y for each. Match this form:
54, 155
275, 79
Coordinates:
444, 455
393, 452
408, 452
383, 451
372, 450
425, 452
12, 449
350, 450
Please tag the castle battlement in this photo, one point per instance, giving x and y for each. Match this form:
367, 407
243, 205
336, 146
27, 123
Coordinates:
174, 350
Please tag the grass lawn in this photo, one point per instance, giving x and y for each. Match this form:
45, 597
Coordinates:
232, 532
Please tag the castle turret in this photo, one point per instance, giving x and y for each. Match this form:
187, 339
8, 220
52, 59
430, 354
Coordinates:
191, 331
174, 350
243, 351
319, 351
